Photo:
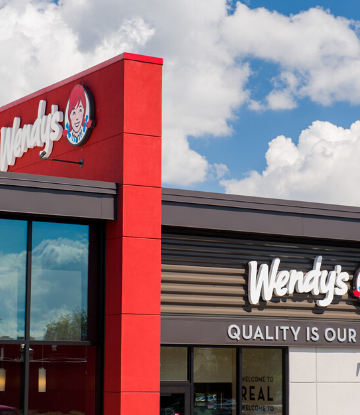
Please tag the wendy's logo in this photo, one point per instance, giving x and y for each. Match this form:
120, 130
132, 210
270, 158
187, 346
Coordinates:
79, 116
356, 284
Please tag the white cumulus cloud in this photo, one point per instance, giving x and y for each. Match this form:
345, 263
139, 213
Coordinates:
322, 167
318, 54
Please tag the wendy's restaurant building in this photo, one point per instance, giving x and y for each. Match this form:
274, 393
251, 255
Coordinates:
119, 297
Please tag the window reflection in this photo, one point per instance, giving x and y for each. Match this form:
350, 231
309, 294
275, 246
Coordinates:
13, 239
215, 381
262, 381
59, 286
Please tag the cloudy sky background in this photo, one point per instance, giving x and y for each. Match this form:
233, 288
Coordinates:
257, 100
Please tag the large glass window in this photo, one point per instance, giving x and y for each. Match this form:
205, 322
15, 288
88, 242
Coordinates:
59, 281
224, 380
49, 317
214, 381
174, 363
13, 237
262, 381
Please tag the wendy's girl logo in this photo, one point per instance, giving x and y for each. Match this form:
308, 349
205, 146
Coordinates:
356, 284
79, 116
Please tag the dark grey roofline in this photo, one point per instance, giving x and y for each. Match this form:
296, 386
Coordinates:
203, 210
57, 196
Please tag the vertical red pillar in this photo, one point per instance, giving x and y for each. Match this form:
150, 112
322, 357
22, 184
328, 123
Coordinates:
133, 257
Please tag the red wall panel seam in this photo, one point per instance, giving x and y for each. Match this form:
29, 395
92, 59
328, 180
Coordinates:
144, 135
133, 237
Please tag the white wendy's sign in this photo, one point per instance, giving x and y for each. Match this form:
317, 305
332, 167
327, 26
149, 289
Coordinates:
16, 141
264, 283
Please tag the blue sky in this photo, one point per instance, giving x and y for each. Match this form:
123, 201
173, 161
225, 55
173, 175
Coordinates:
260, 98
245, 149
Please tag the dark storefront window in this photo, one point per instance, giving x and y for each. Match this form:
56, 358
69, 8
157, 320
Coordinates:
223, 380
62, 379
174, 363
214, 381
262, 381
49, 317
11, 374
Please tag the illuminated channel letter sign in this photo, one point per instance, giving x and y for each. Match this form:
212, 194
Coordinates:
79, 122
264, 283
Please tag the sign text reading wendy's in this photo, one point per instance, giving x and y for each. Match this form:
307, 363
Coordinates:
16, 141
79, 122
265, 283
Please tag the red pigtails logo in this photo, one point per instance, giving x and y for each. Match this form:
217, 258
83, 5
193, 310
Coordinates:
79, 116
356, 284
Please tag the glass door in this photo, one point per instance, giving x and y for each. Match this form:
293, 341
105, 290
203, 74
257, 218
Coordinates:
175, 400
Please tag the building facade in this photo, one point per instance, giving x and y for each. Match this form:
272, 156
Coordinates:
120, 297
262, 296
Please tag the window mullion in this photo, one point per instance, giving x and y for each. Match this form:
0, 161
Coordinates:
25, 383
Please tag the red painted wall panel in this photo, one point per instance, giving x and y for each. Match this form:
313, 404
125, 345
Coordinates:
142, 91
143, 154
140, 357
142, 265
140, 403
141, 211
124, 147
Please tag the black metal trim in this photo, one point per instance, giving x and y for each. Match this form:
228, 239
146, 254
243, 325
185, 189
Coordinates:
53, 196
286, 381
191, 380
239, 377
26, 374
195, 210
63, 343
79, 163
99, 399
195, 197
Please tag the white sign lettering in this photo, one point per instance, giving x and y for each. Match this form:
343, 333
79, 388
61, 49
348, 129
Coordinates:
290, 333
16, 141
264, 283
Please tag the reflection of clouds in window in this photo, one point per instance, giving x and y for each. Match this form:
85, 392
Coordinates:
59, 278
12, 303
61, 253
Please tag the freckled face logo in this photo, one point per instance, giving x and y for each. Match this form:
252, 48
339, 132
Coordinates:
79, 116
356, 284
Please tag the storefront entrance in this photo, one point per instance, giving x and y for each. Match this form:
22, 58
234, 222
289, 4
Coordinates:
175, 400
